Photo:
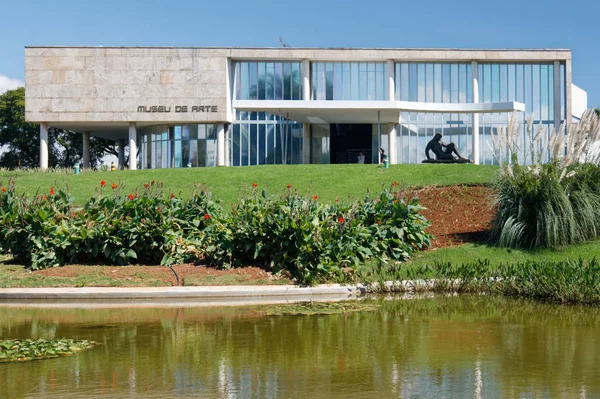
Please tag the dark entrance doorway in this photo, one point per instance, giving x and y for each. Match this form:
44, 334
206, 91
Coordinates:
349, 140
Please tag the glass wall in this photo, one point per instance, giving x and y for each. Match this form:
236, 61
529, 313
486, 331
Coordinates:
257, 80
349, 81
260, 138
531, 84
434, 82
416, 129
177, 146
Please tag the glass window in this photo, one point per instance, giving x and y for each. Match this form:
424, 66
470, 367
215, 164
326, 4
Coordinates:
454, 83
445, 83
268, 80
544, 103
349, 81
420, 82
512, 83
429, 83
503, 82
437, 79
537, 112
495, 83
462, 83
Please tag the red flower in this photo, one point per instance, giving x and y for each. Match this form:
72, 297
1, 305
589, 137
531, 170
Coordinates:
114, 186
289, 186
145, 185
315, 197
44, 197
3, 190
254, 184
102, 183
131, 197
337, 200
158, 209
341, 220
172, 195
152, 182
395, 184
206, 216
395, 200
379, 222
52, 191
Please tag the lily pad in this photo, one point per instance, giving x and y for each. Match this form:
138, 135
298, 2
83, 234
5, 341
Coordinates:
22, 350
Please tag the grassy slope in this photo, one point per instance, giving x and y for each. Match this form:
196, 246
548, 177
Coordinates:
327, 181
472, 252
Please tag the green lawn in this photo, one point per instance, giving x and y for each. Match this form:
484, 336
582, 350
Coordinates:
327, 181
472, 252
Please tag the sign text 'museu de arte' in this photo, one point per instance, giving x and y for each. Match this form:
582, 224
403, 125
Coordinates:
177, 108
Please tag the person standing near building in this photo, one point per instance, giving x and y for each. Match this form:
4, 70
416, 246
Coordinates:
382, 155
361, 158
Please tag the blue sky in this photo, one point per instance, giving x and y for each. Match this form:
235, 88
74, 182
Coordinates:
305, 23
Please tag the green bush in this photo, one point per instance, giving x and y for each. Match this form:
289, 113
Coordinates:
146, 227
311, 240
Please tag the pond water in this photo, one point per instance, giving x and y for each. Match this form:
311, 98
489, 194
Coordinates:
455, 347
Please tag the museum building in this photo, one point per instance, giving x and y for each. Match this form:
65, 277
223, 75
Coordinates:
191, 107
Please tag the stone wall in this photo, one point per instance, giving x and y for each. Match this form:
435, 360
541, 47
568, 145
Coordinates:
110, 84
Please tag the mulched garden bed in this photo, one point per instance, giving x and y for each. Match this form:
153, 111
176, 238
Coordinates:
458, 214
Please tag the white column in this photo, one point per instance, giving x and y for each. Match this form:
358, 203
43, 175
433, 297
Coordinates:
121, 153
475, 143
392, 143
306, 143
132, 146
86, 150
391, 127
305, 80
568, 99
557, 118
220, 144
44, 145
227, 144
391, 81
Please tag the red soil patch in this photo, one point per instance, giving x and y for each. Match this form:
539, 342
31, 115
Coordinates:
458, 214
164, 274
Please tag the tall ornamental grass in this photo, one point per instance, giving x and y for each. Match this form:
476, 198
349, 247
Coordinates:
554, 199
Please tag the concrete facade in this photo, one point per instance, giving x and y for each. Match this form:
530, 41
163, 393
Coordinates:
107, 85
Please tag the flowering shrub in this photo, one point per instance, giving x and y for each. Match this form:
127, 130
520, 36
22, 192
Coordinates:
310, 239
113, 229
315, 241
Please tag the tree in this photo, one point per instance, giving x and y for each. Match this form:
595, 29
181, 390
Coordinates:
22, 138
23, 143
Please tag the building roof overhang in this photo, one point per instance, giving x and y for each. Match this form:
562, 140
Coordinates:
365, 111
